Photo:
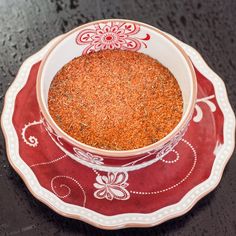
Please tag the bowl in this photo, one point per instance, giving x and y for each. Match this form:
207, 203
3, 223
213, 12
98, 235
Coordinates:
125, 35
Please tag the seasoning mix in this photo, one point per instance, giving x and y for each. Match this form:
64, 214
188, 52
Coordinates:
115, 100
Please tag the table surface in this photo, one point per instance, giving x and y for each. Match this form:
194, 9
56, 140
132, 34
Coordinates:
27, 25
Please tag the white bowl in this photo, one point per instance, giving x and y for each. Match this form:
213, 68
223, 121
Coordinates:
125, 35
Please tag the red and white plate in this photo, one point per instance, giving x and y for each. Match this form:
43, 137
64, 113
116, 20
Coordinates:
140, 198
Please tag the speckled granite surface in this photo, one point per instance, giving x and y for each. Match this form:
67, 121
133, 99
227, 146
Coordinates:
27, 25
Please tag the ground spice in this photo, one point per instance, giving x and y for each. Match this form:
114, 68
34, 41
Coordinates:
115, 100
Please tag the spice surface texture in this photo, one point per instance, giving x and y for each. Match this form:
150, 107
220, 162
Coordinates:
115, 100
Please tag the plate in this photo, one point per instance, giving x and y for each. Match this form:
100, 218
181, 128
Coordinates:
113, 200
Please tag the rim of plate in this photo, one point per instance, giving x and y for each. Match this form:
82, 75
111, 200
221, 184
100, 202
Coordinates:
127, 219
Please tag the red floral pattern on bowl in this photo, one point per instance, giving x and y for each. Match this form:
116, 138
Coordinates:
113, 35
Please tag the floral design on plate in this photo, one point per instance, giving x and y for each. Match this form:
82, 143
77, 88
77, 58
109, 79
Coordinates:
111, 35
199, 114
32, 141
112, 186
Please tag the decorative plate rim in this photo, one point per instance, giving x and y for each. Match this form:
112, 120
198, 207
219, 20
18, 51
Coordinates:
127, 219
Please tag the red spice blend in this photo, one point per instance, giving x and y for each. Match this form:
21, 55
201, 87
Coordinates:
115, 100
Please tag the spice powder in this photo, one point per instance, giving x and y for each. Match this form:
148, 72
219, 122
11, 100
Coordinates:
115, 100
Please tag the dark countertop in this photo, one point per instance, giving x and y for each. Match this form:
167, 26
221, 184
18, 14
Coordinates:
27, 25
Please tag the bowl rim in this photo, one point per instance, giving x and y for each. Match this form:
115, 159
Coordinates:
117, 153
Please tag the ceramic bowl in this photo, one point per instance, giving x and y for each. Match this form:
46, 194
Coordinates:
125, 35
